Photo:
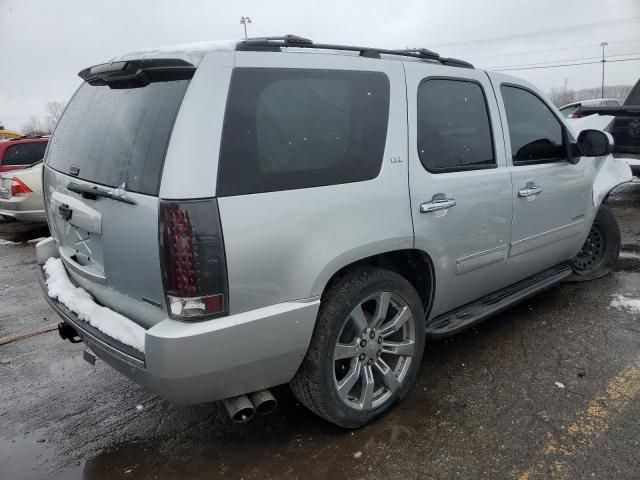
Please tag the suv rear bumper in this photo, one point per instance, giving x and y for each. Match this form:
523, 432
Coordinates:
199, 362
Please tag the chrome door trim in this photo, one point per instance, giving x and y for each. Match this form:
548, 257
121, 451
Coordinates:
541, 239
481, 259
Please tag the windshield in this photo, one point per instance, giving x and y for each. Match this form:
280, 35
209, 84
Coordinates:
117, 136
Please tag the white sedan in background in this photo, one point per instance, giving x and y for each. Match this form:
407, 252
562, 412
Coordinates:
21, 194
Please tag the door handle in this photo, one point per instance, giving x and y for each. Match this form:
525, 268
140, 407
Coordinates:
438, 202
529, 190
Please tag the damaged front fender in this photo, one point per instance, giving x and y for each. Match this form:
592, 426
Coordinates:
610, 171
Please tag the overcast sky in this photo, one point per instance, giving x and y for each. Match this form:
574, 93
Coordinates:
45, 42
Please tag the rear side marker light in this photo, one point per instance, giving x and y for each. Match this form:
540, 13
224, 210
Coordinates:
18, 187
193, 260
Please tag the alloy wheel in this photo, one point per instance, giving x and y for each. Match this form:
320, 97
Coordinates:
374, 351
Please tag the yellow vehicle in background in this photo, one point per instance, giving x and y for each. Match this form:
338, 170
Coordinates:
8, 133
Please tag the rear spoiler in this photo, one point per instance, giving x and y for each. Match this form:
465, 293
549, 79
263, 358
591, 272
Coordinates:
137, 73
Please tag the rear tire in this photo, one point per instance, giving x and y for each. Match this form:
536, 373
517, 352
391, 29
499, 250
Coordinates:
366, 348
600, 250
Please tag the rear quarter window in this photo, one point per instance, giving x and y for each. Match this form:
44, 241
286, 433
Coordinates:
287, 129
24, 153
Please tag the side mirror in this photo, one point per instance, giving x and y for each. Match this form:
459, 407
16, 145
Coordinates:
594, 143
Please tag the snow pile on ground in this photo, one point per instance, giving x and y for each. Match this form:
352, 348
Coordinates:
36, 240
626, 303
8, 242
82, 304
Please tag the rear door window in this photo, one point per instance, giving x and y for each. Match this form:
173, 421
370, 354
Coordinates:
117, 136
453, 126
24, 153
286, 129
536, 134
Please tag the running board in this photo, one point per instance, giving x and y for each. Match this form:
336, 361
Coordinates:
463, 317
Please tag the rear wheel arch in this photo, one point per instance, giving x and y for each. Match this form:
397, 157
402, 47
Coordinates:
337, 379
414, 265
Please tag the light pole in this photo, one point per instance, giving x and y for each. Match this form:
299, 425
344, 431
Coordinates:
244, 21
603, 44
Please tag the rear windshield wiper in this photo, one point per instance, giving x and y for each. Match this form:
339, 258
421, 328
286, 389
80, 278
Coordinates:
92, 192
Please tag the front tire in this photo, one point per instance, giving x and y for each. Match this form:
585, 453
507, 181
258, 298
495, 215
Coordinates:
366, 348
600, 250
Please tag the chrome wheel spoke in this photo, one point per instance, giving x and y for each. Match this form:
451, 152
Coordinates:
346, 384
396, 322
344, 350
382, 308
359, 319
368, 385
388, 375
405, 348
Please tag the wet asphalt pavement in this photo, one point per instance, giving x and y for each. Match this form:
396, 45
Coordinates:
547, 389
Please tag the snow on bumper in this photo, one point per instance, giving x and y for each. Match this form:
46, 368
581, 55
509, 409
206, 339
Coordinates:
190, 362
80, 302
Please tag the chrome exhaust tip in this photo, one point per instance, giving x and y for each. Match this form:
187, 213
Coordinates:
263, 401
240, 409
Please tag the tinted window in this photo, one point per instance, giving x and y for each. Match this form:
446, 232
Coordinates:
24, 153
536, 134
453, 126
116, 136
611, 103
292, 128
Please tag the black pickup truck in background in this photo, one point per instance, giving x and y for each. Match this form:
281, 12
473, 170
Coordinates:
625, 127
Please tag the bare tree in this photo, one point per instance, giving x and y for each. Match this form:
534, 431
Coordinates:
54, 112
35, 127
562, 96
612, 91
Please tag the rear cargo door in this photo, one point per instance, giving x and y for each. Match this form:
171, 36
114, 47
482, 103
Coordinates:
102, 177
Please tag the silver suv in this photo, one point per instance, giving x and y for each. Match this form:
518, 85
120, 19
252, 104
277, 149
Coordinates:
226, 218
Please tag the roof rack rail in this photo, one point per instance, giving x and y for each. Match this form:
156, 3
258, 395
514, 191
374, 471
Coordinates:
275, 44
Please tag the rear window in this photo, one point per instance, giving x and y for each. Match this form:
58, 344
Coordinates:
117, 136
286, 129
24, 153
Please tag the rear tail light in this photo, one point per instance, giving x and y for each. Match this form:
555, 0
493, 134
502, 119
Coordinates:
193, 261
17, 187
